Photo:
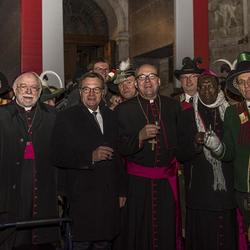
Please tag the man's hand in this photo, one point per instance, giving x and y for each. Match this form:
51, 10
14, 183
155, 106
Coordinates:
115, 100
102, 153
122, 201
212, 142
149, 131
199, 138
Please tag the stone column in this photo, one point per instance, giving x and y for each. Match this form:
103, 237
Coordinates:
122, 41
53, 43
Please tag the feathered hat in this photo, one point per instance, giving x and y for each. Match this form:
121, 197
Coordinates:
189, 67
227, 68
122, 73
125, 70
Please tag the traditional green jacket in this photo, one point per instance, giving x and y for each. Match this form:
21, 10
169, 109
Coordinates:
237, 144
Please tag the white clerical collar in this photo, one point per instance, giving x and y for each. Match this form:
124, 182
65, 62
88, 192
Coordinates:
25, 108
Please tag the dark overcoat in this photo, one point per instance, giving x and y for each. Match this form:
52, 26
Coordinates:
92, 189
13, 138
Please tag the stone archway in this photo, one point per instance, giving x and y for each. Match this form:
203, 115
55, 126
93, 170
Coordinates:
94, 28
116, 12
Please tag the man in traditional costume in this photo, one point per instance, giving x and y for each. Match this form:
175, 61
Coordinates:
123, 86
147, 138
27, 177
235, 144
188, 76
211, 219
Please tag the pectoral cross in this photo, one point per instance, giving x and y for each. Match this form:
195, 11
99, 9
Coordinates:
153, 142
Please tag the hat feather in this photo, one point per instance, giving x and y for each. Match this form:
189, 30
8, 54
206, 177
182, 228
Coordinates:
231, 65
124, 65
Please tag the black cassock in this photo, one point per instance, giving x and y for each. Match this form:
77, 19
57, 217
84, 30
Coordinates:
149, 221
27, 186
210, 213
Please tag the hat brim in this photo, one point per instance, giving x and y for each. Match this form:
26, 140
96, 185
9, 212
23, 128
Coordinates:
5, 90
178, 73
231, 80
54, 94
113, 88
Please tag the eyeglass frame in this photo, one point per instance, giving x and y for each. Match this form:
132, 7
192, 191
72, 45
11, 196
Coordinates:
153, 76
96, 90
23, 87
241, 82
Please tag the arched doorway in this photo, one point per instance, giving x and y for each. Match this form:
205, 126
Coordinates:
93, 28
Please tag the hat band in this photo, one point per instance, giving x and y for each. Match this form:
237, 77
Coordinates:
243, 57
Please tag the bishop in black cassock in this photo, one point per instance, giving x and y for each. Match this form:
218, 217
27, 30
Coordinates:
27, 177
147, 134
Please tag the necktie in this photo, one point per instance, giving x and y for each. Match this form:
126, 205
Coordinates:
94, 113
191, 99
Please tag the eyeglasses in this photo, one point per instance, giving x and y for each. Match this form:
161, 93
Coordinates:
150, 76
87, 90
190, 77
243, 82
98, 69
25, 88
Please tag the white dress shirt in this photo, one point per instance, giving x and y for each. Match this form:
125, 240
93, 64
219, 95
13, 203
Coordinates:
98, 117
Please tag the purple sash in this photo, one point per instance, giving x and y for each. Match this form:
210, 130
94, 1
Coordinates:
170, 173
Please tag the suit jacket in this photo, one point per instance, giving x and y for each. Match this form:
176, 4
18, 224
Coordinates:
239, 153
13, 137
92, 189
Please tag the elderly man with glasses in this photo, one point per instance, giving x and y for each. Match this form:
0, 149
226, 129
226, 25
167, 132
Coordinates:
90, 175
147, 139
27, 178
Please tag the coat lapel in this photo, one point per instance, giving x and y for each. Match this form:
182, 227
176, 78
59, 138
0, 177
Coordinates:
90, 117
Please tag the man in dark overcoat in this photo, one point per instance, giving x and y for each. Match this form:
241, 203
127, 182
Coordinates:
27, 178
84, 146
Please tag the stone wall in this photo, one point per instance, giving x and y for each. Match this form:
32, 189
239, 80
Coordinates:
151, 25
228, 29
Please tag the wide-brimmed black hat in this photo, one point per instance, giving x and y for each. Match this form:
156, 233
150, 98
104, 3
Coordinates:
4, 85
189, 67
242, 66
48, 93
113, 88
